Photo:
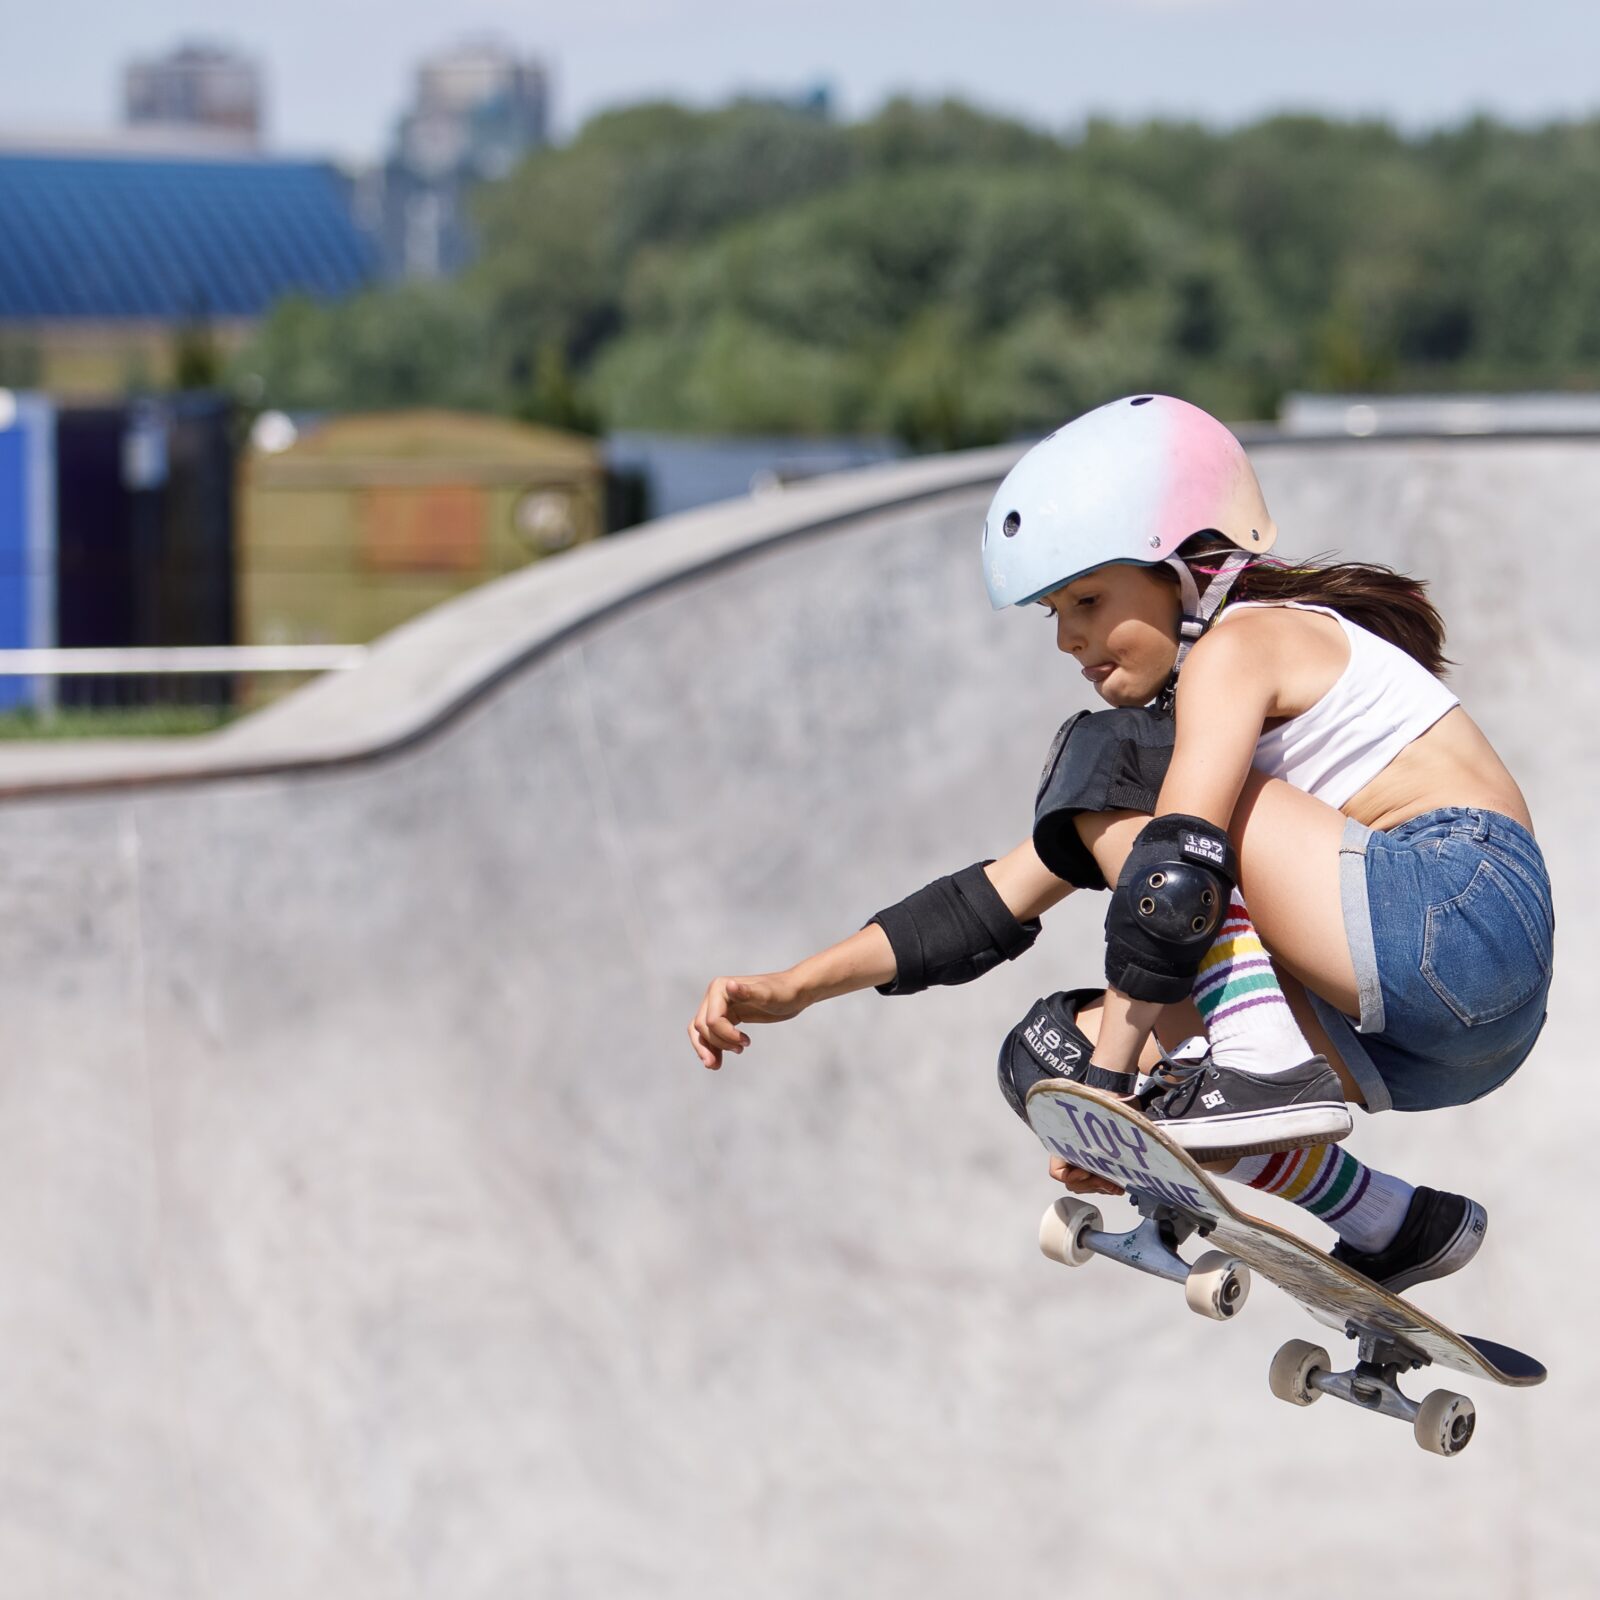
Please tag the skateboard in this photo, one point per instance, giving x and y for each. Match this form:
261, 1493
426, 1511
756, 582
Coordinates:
1177, 1199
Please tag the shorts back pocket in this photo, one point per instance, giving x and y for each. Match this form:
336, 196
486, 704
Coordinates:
1483, 953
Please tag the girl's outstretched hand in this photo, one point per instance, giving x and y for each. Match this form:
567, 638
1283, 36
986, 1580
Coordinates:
767, 997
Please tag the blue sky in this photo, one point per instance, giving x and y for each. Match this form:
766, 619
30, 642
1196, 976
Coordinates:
338, 70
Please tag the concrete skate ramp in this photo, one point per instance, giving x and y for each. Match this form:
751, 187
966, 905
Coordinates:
369, 1229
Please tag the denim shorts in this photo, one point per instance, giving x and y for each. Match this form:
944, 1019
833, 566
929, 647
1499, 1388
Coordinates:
1451, 930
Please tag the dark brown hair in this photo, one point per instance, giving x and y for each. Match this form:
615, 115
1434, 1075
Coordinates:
1379, 599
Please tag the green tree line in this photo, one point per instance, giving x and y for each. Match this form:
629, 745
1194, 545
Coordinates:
953, 277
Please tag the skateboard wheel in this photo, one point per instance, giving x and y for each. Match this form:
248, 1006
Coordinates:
1217, 1286
1289, 1376
1064, 1228
1445, 1422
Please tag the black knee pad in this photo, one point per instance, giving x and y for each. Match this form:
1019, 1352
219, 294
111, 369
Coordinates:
1169, 901
1101, 761
1048, 1043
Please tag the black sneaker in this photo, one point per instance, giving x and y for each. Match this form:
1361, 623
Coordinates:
1440, 1235
1215, 1112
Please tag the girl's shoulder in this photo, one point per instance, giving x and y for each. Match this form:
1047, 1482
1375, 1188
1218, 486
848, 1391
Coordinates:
1253, 624
1275, 613
1291, 654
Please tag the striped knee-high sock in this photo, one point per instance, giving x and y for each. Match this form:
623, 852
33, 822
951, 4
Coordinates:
1363, 1206
1247, 1019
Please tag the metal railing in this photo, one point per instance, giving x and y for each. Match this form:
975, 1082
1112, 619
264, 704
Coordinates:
208, 682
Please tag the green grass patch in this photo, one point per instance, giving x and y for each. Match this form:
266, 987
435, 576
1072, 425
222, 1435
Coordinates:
132, 722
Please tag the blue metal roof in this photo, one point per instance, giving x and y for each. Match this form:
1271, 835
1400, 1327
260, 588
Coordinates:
104, 237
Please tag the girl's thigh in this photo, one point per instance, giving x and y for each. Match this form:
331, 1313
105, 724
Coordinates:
1317, 1036
1289, 858
1289, 875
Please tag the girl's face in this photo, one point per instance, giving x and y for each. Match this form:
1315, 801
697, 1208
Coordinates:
1120, 624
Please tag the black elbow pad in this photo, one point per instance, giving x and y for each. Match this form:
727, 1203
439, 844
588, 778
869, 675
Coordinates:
952, 931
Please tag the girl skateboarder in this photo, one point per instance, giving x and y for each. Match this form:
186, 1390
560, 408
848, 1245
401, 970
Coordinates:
1319, 870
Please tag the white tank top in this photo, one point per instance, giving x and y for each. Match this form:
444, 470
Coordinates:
1380, 702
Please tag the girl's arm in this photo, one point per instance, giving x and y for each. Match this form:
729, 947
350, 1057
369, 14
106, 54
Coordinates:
1225, 693
1028, 887
863, 961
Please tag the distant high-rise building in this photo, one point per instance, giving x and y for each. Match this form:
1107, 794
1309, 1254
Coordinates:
477, 111
198, 88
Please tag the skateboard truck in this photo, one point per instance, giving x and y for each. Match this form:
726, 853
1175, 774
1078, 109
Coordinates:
1216, 1285
1301, 1373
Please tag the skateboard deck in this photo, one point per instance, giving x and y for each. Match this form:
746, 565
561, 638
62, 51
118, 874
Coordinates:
1177, 1197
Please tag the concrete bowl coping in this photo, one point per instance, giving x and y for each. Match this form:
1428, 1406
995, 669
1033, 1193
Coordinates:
428, 671
417, 678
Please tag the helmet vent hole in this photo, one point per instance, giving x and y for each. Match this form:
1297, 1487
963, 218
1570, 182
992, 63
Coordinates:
1012, 525
1143, 400
1255, 533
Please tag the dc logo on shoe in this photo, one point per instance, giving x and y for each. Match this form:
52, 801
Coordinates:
1213, 1100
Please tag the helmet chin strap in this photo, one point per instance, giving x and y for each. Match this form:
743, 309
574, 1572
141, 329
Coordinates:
1199, 611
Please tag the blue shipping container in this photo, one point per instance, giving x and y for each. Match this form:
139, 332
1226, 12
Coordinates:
27, 538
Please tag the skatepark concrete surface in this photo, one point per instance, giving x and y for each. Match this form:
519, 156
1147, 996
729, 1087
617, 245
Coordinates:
370, 1230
